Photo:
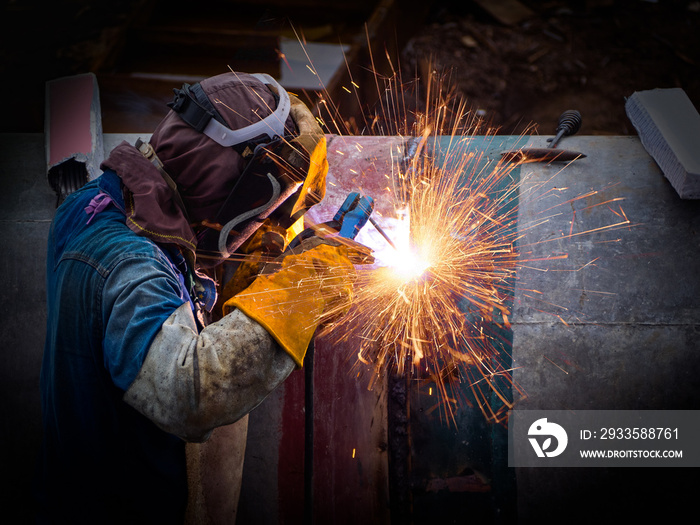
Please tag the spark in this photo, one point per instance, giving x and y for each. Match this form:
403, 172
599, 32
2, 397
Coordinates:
560, 368
436, 304
425, 308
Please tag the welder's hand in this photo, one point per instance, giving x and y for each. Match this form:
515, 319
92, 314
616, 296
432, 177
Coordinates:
264, 246
323, 233
299, 248
308, 289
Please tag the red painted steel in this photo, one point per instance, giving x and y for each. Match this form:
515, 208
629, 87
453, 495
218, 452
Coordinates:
350, 467
350, 421
291, 451
69, 103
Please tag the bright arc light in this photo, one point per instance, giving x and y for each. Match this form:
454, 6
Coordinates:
404, 260
408, 264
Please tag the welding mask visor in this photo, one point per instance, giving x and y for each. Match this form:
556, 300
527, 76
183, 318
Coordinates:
280, 183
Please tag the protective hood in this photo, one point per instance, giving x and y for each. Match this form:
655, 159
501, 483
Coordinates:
205, 171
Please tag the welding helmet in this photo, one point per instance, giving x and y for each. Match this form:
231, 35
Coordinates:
283, 171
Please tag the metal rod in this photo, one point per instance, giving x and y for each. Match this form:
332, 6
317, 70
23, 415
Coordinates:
380, 230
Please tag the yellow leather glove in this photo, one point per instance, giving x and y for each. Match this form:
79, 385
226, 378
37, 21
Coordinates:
308, 289
257, 252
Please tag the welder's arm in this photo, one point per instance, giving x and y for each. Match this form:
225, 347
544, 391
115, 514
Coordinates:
191, 383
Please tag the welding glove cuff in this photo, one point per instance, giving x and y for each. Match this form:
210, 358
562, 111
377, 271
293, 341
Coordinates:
308, 289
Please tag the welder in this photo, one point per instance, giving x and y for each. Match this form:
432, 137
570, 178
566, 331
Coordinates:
137, 360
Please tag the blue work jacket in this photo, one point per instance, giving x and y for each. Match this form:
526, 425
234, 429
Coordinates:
109, 291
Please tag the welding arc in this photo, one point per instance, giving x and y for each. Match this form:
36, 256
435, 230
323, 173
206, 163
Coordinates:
380, 230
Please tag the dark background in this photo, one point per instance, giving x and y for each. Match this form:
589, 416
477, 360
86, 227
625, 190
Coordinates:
517, 71
587, 55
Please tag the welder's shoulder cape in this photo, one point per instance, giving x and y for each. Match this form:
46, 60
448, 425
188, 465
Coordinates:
150, 207
109, 289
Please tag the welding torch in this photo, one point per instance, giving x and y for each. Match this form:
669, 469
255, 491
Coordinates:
347, 222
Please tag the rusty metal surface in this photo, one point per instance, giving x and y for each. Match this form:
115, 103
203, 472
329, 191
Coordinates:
350, 422
633, 320
359, 164
350, 455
